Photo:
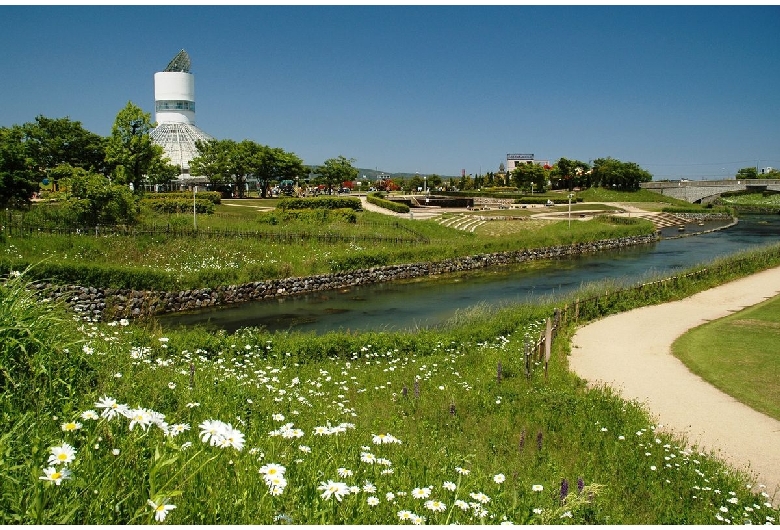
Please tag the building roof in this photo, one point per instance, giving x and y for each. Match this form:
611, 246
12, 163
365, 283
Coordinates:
178, 142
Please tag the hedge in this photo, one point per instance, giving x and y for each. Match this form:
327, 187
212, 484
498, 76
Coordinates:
315, 203
212, 196
376, 199
166, 205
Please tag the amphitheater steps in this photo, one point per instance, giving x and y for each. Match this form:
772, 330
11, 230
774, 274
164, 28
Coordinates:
467, 223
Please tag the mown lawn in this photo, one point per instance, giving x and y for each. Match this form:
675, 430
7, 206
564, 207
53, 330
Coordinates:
739, 354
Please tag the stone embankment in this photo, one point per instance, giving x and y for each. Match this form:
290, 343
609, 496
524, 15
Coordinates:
107, 304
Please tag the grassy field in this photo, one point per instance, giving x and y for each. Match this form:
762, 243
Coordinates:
240, 244
753, 199
120, 424
739, 355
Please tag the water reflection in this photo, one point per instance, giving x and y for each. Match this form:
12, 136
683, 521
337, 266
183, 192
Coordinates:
420, 303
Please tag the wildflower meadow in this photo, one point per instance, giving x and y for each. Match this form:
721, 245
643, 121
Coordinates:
125, 423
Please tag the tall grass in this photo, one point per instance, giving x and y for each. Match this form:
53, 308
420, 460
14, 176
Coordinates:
169, 262
438, 426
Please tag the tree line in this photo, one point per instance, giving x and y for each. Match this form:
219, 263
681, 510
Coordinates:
99, 178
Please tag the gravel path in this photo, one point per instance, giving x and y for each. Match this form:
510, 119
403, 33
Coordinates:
632, 353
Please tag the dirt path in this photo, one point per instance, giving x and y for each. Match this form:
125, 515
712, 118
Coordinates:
632, 353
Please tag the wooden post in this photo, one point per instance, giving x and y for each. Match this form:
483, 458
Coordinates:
547, 345
577, 310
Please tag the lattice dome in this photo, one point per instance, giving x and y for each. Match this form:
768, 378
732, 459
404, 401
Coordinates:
178, 142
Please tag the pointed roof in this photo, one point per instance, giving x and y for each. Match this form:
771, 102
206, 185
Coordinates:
180, 63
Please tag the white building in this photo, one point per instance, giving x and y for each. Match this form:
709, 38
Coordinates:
174, 107
517, 159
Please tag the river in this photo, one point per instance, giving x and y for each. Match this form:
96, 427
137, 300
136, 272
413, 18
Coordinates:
426, 302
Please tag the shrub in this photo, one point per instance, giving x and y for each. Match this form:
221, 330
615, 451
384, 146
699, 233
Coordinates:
212, 196
316, 203
397, 207
166, 205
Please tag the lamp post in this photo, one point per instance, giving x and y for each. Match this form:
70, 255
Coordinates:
194, 216
570, 196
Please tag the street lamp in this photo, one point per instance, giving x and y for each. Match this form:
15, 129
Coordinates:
570, 196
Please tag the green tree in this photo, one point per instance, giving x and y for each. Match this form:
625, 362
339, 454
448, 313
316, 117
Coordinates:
276, 164
570, 173
91, 199
747, 173
334, 171
611, 173
434, 181
131, 150
50, 142
228, 163
526, 174
18, 179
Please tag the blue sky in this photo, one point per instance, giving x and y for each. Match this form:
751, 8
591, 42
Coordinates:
684, 91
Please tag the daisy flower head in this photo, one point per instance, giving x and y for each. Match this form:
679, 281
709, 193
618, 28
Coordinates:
462, 471
405, 515
52, 475
140, 417
463, 505
435, 506
537, 487
498, 479
449, 486
89, 415
232, 438
177, 429
333, 489
372, 501
71, 426
111, 408
421, 493
212, 431
418, 519
480, 497
272, 470
344, 472
161, 510
62, 454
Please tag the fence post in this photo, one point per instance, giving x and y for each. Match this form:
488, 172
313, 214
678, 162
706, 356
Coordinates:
577, 310
547, 345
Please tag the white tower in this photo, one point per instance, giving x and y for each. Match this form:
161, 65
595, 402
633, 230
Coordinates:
174, 109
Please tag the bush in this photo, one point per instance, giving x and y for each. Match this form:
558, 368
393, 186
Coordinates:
318, 217
212, 196
376, 199
166, 205
318, 203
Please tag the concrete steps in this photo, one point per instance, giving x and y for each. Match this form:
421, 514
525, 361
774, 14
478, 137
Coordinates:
467, 223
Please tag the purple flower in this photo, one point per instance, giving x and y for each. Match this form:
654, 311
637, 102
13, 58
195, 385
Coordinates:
564, 489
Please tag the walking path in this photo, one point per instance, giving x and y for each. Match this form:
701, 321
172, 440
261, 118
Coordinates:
632, 353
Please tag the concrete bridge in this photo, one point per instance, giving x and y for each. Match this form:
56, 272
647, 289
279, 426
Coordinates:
706, 191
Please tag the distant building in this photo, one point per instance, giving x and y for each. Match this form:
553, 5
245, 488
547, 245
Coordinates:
174, 107
513, 160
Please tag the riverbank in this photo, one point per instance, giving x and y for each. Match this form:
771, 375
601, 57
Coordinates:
99, 304
631, 352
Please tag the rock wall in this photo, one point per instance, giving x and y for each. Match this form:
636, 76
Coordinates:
111, 304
